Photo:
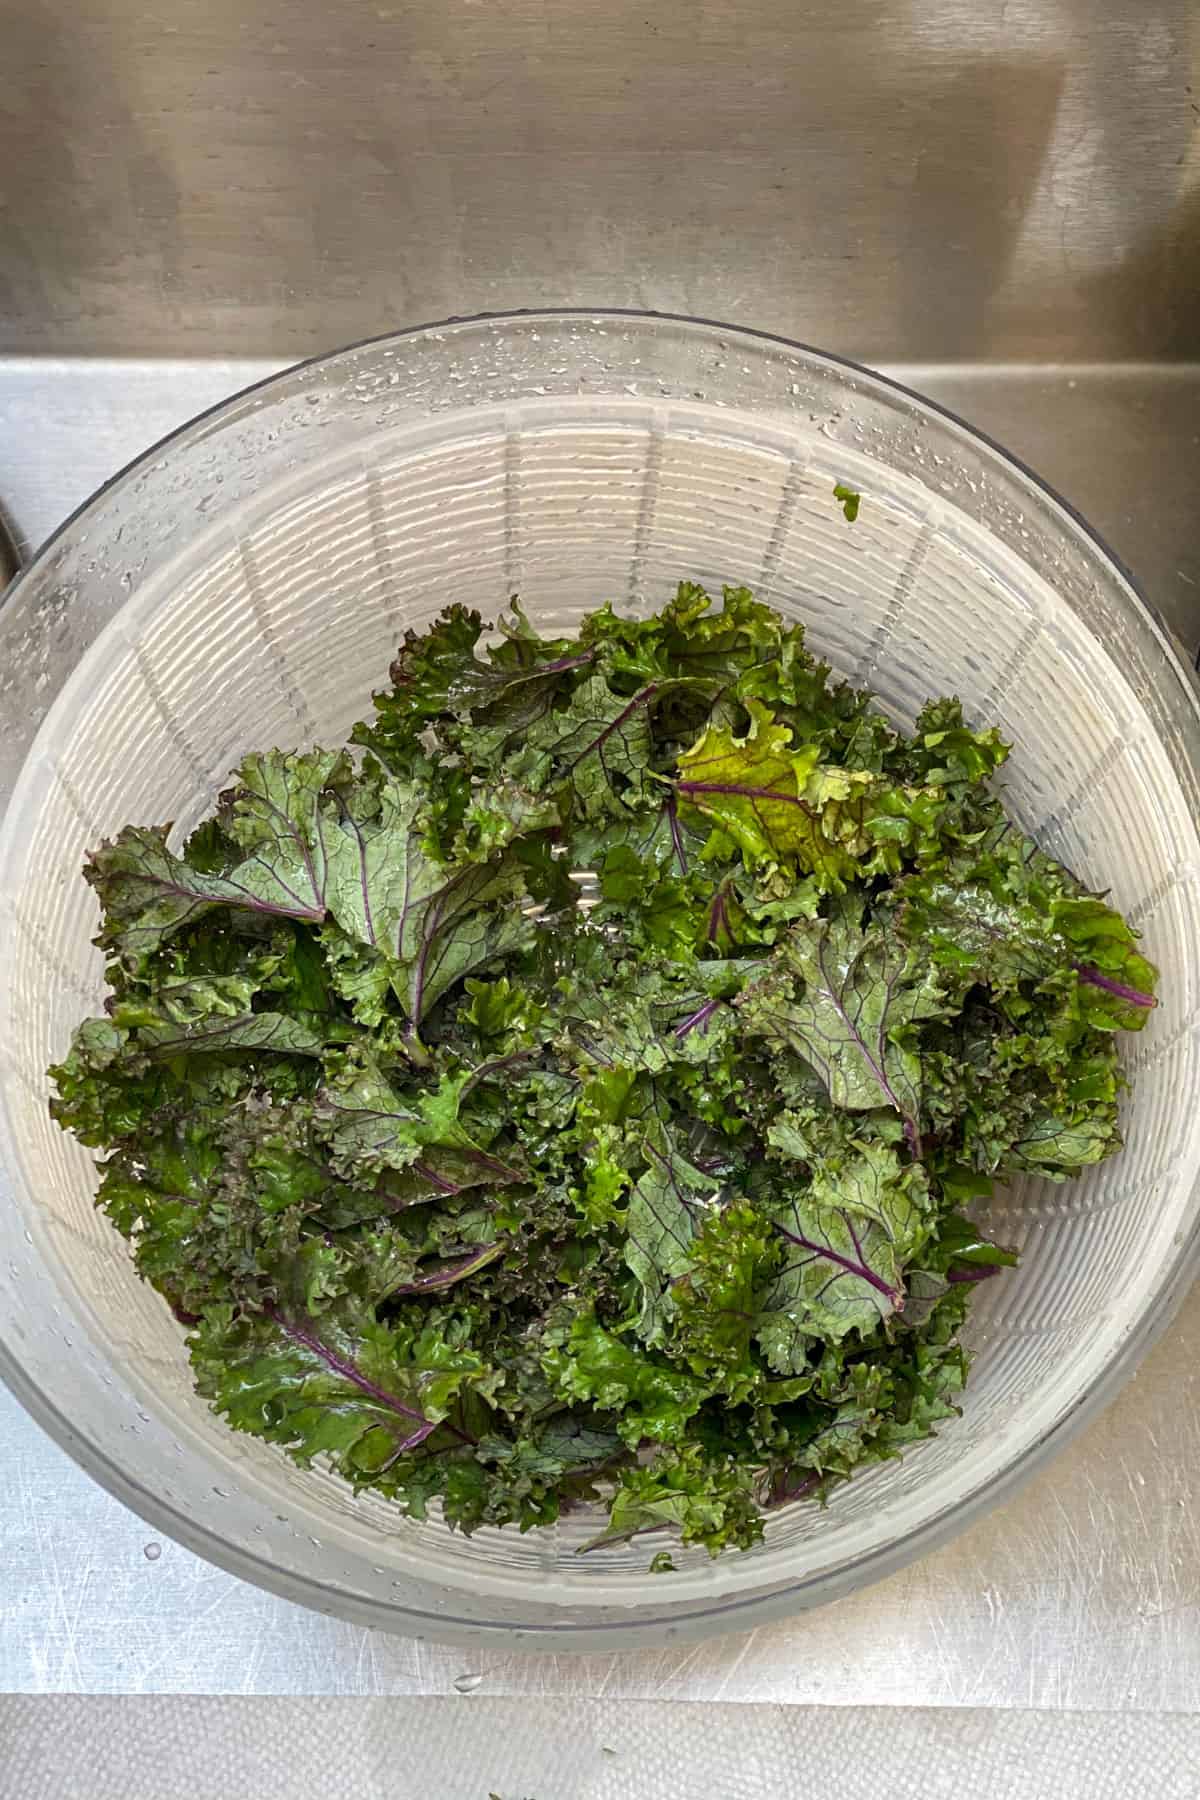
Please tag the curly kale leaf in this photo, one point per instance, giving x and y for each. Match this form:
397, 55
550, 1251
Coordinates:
647, 1020
846, 1238
581, 1096
439, 680
846, 998
430, 925
945, 752
701, 1498
1003, 916
269, 856
598, 748
687, 638
666, 1211
777, 802
371, 1126
282, 1033
716, 1303
339, 1385
647, 1395
1039, 1093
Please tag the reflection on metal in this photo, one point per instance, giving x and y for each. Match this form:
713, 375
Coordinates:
933, 178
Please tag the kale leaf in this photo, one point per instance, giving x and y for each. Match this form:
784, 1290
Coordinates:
577, 1094
846, 999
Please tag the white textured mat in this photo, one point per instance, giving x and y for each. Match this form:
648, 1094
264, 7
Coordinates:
471, 1748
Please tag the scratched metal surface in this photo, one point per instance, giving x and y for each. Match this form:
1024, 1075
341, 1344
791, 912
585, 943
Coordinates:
970, 181
1082, 1593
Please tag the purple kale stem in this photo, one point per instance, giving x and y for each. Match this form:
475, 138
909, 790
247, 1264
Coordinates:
619, 1537
1133, 995
478, 1258
676, 836
485, 1070
781, 1495
349, 1372
699, 1018
564, 663
875, 1064
434, 1179
318, 887
639, 699
301, 910
844, 1262
493, 1165
717, 913
364, 884
973, 1272
746, 789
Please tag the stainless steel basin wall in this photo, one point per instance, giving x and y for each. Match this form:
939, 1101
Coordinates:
926, 180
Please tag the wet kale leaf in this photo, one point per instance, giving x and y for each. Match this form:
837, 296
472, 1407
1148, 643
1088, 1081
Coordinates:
580, 1097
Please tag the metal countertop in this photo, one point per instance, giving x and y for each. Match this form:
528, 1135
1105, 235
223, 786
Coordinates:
1081, 1593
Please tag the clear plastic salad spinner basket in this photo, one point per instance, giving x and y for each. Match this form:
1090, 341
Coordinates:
245, 584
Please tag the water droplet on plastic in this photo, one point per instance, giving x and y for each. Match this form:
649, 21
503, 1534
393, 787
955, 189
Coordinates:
221, 1493
152, 1552
466, 1684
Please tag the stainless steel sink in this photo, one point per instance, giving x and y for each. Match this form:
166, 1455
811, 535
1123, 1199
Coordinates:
998, 205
